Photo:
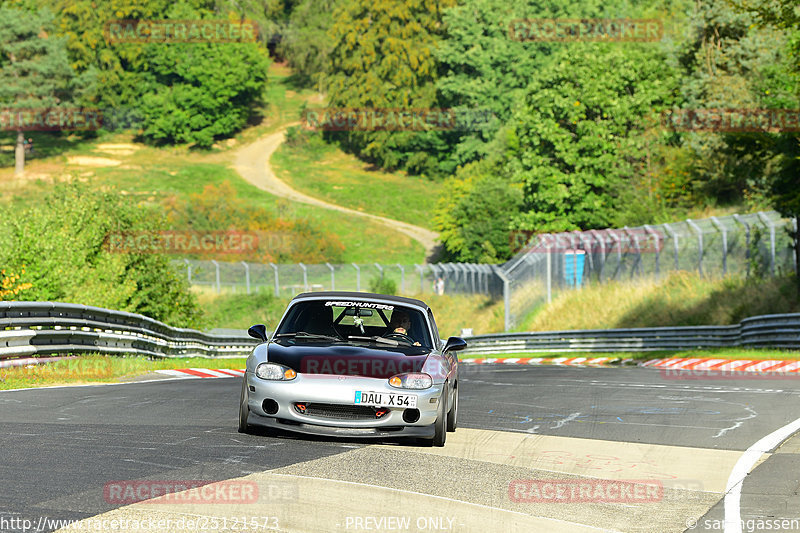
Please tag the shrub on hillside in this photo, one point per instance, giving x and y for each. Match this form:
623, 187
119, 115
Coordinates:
57, 246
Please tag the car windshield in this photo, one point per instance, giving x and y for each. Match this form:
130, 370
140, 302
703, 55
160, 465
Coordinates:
384, 325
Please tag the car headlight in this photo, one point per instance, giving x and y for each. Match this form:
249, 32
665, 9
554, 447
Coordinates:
275, 372
411, 381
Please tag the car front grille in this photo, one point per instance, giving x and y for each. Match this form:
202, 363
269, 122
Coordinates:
340, 412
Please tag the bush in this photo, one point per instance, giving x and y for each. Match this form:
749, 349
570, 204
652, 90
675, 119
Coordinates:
382, 285
57, 247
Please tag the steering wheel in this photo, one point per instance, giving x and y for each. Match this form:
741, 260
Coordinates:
399, 336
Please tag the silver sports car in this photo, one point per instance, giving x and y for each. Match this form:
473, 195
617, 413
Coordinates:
353, 364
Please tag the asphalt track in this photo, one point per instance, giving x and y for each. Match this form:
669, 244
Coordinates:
61, 447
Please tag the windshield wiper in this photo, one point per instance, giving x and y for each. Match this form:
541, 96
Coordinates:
390, 342
307, 335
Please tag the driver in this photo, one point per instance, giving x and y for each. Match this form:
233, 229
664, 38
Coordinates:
401, 324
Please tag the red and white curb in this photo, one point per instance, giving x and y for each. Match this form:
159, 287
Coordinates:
202, 372
726, 365
558, 361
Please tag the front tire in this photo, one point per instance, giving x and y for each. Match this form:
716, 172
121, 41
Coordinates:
244, 410
452, 414
440, 427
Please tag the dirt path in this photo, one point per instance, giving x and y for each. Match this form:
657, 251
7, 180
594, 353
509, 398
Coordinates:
252, 163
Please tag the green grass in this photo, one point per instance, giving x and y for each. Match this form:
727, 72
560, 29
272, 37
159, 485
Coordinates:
240, 311
331, 175
681, 299
713, 353
97, 368
151, 173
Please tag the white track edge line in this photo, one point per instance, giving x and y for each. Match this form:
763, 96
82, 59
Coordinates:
733, 491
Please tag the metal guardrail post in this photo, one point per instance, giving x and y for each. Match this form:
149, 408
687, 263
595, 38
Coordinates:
649, 229
380, 269
472, 277
612, 235
333, 276
741, 221
277, 285
635, 239
358, 277
602, 247
188, 271
697, 229
674, 236
216, 267
402, 278
771, 227
435, 274
246, 276
550, 253
724, 230
305, 276
506, 297
421, 277
587, 249
464, 272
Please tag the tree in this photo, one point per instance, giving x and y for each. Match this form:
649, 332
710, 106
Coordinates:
180, 92
576, 139
483, 68
728, 62
305, 43
109, 73
474, 212
57, 247
785, 192
34, 71
383, 58
199, 92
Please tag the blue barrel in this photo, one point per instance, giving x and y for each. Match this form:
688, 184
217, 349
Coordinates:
574, 261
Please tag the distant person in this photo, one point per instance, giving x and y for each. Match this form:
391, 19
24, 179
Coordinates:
439, 285
27, 144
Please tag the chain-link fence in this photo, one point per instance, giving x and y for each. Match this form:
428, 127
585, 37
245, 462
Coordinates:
754, 244
290, 279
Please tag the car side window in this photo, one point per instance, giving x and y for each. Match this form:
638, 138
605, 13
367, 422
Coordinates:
436, 340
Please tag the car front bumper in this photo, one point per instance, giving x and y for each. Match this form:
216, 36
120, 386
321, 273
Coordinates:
337, 391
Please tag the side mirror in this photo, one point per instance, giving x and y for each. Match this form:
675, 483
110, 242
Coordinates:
454, 344
259, 331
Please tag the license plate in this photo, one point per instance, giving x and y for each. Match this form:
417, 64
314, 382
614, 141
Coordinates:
385, 399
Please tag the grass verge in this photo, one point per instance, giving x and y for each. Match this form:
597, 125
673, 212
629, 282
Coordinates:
325, 172
680, 299
240, 311
96, 368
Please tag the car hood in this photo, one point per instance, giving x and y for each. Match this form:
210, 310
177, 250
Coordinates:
344, 360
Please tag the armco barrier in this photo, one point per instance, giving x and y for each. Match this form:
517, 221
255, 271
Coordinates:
45, 328
768, 331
